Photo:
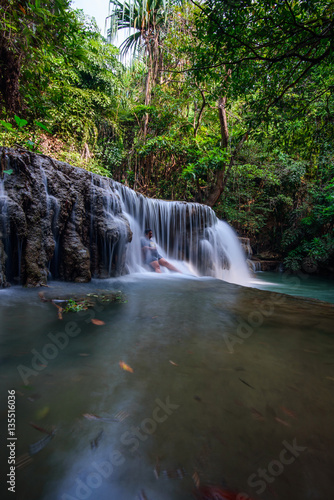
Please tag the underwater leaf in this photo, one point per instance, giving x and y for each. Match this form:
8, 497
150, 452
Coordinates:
125, 367
283, 422
40, 429
172, 363
42, 412
8, 172
97, 322
196, 479
288, 412
256, 414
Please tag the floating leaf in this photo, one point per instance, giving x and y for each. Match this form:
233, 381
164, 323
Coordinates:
256, 414
196, 479
288, 412
125, 367
283, 422
97, 322
40, 429
172, 363
246, 383
42, 412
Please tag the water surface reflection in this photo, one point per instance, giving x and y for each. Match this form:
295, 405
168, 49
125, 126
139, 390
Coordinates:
230, 386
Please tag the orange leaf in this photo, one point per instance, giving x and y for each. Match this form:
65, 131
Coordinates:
22, 9
283, 422
97, 322
125, 366
172, 363
288, 412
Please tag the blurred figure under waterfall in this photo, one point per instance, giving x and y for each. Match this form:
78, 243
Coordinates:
151, 256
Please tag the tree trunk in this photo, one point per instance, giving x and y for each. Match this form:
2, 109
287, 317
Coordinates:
223, 122
220, 181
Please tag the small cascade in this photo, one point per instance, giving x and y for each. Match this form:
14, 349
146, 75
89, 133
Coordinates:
254, 265
52, 216
108, 229
188, 233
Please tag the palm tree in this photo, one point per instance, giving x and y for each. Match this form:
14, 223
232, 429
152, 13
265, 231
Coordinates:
148, 19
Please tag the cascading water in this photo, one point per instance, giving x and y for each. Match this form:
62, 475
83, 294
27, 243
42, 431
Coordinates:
188, 233
64, 223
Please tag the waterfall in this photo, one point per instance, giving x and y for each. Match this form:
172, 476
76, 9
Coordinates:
62, 222
188, 234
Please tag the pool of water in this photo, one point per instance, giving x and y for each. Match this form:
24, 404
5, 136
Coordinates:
230, 386
301, 285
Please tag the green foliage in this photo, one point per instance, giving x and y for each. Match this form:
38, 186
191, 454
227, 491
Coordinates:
73, 306
21, 134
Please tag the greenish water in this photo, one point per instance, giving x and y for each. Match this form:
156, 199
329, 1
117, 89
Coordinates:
301, 285
226, 381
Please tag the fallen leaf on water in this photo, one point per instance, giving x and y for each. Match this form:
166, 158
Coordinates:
283, 422
42, 412
97, 322
196, 479
125, 367
246, 383
40, 429
330, 378
288, 412
172, 363
256, 414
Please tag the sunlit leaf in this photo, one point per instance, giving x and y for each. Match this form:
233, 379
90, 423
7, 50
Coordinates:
125, 367
97, 322
20, 121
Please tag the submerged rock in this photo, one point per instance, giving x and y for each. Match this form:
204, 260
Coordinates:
57, 220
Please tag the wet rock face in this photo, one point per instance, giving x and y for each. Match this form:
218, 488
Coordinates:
57, 219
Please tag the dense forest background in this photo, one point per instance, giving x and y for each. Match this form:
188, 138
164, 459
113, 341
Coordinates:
227, 103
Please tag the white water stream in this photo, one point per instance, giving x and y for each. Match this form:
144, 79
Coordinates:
189, 235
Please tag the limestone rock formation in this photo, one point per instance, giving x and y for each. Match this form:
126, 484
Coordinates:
57, 220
